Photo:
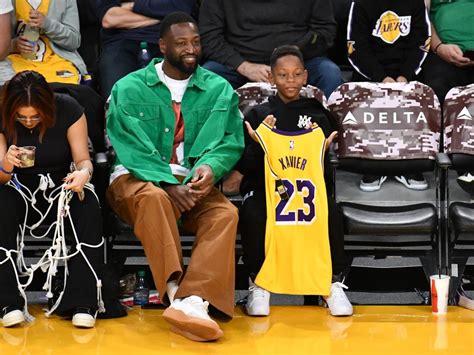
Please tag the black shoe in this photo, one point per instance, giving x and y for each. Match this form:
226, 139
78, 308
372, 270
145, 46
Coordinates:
413, 181
466, 181
370, 183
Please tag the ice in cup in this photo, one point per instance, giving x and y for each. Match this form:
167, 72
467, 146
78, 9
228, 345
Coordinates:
32, 35
439, 293
27, 156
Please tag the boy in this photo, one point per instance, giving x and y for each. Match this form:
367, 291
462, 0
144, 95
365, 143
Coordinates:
293, 113
387, 41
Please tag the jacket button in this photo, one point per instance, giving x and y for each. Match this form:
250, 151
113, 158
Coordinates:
141, 114
163, 158
167, 130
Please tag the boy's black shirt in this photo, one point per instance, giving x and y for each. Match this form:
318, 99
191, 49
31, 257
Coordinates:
251, 164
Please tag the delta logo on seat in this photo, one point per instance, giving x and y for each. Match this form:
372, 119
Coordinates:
386, 118
464, 115
390, 27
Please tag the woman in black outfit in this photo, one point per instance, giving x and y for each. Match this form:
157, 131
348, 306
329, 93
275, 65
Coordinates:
32, 115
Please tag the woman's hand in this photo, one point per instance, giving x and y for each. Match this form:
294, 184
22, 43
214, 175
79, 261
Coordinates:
76, 180
21, 44
12, 158
36, 19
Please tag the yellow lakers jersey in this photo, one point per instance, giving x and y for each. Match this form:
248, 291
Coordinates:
297, 251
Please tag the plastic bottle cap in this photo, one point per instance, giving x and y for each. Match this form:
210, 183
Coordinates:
143, 45
141, 273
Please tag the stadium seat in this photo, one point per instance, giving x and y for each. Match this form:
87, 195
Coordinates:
389, 130
458, 112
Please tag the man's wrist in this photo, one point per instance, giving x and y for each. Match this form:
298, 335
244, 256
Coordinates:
436, 48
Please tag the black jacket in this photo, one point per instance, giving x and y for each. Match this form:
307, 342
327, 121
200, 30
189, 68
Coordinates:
251, 164
234, 31
388, 38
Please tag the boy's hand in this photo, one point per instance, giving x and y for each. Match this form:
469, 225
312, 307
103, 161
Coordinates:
330, 139
269, 120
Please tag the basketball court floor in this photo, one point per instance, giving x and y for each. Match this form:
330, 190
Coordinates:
401, 330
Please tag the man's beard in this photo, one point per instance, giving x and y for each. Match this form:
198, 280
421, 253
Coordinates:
178, 63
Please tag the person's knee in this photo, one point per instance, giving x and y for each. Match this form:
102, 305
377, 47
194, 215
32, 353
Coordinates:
330, 69
229, 215
153, 198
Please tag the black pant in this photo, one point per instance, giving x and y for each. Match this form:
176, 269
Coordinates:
81, 288
252, 223
442, 76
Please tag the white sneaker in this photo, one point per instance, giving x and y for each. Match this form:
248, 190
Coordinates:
83, 318
337, 301
258, 301
12, 316
189, 317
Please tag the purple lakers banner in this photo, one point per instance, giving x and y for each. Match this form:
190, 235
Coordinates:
386, 121
458, 112
253, 94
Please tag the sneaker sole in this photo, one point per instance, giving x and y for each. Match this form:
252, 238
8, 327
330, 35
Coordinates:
411, 187
256, 314
369, 188
80, 321
191, 327
14, 318
345, 314
373, 188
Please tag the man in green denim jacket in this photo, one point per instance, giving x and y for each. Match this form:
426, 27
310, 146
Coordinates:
140, 125
176, 129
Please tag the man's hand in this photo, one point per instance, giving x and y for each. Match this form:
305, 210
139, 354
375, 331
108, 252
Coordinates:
255, 72
202, 182
180, 195
402, 79
452, 54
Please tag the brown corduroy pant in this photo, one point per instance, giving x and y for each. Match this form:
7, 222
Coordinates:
211, 270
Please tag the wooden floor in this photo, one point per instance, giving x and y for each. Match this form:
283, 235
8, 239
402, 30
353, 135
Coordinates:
401, 330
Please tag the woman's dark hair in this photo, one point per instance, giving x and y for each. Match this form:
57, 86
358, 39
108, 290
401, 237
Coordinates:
283, 51
27, 88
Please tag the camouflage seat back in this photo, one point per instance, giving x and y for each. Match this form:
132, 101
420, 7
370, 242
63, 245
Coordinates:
458, 114
386, 121
253, 94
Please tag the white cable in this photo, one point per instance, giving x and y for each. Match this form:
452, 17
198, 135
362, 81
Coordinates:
58, 250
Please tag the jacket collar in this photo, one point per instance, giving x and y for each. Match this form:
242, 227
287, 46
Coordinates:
152, 79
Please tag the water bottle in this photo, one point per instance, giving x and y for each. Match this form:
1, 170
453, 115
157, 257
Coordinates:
141, 292
144, 56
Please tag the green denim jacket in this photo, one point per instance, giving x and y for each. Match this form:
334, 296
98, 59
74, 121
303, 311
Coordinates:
141, 124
